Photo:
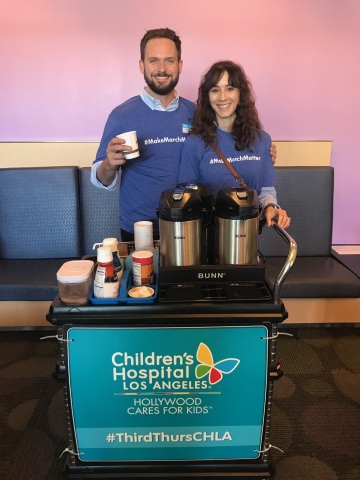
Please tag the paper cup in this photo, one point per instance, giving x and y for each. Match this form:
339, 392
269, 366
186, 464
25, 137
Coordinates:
130, 140
141, 292
143, 235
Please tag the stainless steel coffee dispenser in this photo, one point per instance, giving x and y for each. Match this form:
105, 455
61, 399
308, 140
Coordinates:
180, 221
206, 209
236, 226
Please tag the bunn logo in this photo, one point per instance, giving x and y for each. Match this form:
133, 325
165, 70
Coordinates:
179, 238
211, 275
241, 235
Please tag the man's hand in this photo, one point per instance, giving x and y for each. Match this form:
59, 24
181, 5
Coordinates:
278, 214
115, 153
115, 157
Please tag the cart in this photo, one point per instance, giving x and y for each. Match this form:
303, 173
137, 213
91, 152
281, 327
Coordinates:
177, 386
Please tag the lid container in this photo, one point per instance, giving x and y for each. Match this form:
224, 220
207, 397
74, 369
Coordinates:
237, 203
180, 205
75, 281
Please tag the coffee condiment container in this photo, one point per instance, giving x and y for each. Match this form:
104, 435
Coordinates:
143, 267
113, 244
75, 279
106, 282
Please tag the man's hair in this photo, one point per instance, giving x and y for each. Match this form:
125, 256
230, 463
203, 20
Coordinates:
160, 33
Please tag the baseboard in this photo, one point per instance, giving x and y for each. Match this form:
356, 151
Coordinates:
24, 314
322, 310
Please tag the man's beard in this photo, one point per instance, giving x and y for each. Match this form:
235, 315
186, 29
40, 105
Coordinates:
161, 89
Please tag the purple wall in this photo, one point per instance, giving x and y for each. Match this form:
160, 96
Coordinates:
66, 64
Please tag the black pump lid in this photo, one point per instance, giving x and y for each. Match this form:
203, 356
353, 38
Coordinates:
206, 197
237, 203
180, 204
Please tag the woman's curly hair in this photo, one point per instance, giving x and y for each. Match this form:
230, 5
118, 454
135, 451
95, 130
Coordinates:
246, 124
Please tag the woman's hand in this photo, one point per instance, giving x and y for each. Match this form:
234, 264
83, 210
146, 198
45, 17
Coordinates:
278, 214
273, 153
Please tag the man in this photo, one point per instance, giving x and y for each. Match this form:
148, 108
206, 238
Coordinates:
161, 119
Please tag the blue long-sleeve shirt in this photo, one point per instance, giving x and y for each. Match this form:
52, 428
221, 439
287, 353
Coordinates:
161, 135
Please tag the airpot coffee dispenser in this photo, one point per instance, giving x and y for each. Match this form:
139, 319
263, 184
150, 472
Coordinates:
181, 215
236, 226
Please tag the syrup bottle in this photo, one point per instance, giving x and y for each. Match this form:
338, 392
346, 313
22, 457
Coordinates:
106, 282
113, 244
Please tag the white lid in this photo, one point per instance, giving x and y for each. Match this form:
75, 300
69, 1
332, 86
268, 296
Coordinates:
111, 242
104, 254
75, 271
142, 254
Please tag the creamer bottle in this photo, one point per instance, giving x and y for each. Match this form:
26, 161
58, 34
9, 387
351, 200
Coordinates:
113, 244
106, 282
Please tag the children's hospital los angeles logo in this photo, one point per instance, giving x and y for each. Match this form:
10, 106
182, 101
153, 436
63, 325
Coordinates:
142, 372
213, 370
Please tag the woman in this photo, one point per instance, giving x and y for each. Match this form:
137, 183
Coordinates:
227, 117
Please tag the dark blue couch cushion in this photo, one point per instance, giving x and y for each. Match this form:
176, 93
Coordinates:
39, 213
29, 280
99, 213
307, 195
39, 229
314, 277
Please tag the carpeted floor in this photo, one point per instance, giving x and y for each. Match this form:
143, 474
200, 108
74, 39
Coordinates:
315, 413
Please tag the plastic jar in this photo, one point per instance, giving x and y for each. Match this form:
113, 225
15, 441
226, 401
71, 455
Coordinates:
106, 283
113, 244
75, 281
143, 267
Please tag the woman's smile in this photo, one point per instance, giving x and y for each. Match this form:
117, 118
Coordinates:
224, 99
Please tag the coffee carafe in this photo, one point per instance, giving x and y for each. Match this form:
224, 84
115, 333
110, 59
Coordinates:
180, 222
206, 208
236, 226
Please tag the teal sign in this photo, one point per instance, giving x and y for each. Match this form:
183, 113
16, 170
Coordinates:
168, 393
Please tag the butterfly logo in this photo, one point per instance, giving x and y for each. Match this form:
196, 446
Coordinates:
207, 365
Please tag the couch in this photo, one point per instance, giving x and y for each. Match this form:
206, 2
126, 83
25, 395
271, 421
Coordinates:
49, 215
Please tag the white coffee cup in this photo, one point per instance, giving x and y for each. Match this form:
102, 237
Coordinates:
130, 140
143, 235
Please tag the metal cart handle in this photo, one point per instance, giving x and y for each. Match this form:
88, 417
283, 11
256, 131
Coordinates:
287, 265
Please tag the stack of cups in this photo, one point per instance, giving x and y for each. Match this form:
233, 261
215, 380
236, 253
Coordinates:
143, 235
